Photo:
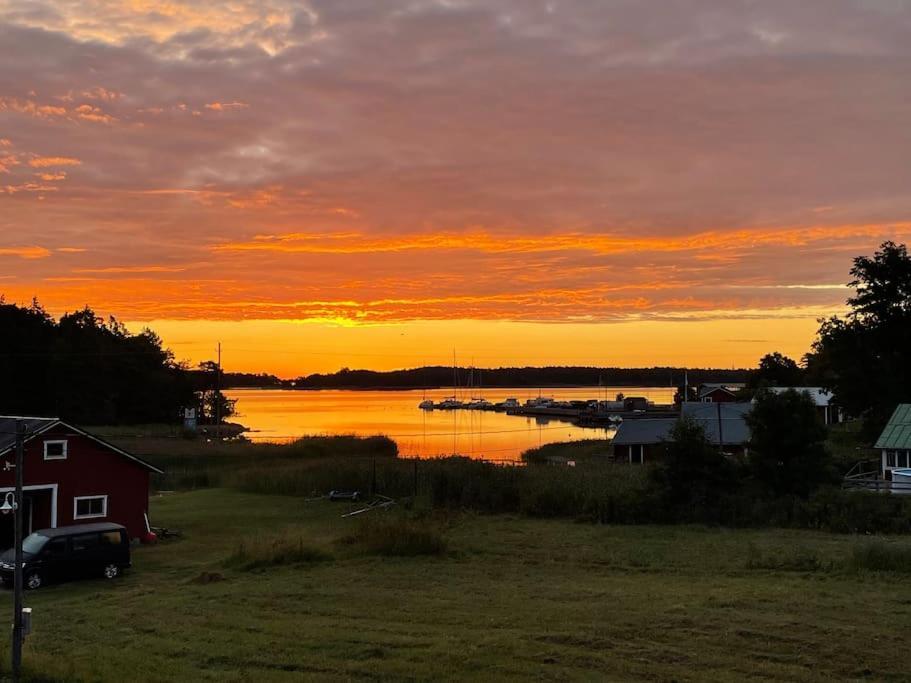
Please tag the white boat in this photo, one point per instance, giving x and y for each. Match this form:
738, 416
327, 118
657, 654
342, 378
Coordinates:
540, 402
426, 404
478, 404
511, 403
449, 403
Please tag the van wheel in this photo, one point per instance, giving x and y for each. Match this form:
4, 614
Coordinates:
33, 580
111, 571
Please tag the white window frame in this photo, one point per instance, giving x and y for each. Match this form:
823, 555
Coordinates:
65, 445
104, 512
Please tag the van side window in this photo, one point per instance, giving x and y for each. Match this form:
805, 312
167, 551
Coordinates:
85, 542
111, 538
56, 547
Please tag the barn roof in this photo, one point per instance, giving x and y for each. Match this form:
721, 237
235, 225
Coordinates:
897, 433
734, 429
35, 426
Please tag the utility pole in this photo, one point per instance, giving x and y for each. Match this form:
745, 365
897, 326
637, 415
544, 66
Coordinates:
218, 396
17, 571
720, 433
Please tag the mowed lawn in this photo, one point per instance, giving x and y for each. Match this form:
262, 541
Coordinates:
512, 598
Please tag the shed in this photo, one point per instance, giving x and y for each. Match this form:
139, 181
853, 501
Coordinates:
895, 441
641, 440
71, 476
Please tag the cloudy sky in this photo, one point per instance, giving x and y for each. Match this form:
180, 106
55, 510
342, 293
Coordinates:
373, 182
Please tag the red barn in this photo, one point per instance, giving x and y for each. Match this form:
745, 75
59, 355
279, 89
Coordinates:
72, 477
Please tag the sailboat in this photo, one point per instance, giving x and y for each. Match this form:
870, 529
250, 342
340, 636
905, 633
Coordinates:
452, 402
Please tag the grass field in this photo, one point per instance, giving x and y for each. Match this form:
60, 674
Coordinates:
508, 598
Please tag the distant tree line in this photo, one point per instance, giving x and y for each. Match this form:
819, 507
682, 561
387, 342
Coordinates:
87, 370
530, 377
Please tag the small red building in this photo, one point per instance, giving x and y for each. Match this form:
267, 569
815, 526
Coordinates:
72, 477
716, 393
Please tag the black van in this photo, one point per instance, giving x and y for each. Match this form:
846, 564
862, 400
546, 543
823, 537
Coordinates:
68, 552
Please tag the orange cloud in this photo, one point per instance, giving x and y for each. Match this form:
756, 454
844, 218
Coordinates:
132, 269
44, 162
30, 108
7, 162
49, 177
87, 112
223, 106
25, 252
355, 243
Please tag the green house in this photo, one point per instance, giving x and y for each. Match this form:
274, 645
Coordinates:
895, 441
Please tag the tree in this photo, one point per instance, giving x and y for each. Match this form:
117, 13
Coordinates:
84, 369
694, 474
777, 370
214, 405
865, 357
788, 455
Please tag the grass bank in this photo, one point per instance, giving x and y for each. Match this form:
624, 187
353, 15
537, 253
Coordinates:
510, 598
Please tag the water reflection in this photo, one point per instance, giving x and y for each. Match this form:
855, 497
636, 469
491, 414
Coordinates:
281, 416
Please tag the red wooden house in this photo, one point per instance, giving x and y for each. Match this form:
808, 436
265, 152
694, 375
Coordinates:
72, 477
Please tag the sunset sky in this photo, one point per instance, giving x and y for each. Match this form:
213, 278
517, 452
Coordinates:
372, 183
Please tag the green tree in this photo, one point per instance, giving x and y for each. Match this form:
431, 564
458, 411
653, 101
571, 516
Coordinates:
865, 357
694, 475
788, 455
777, 370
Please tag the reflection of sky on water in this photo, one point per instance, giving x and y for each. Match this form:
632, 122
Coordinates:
277, 415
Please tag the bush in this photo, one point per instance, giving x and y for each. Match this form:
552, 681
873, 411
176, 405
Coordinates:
392, 534
283, 550
881, 556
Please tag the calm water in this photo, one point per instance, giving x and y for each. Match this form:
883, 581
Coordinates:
283, 415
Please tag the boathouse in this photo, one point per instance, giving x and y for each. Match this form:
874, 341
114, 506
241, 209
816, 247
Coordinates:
72, 477
645, 440
894, 444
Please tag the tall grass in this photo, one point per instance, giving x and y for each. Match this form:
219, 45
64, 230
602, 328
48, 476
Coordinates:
256, 554
198, 464
881, 556
396, 535
602, 492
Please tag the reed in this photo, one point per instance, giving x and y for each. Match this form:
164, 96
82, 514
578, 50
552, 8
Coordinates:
881, 556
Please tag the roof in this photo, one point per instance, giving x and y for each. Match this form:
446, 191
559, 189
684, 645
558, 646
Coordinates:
897, 433
821, 397
734, 429
707, 389
80, 529
646, 431
35, 426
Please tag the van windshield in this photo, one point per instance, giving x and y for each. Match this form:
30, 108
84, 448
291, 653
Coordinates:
33, 543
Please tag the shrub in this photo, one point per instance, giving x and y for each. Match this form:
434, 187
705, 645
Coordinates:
881, 556
283, 550
392, 534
